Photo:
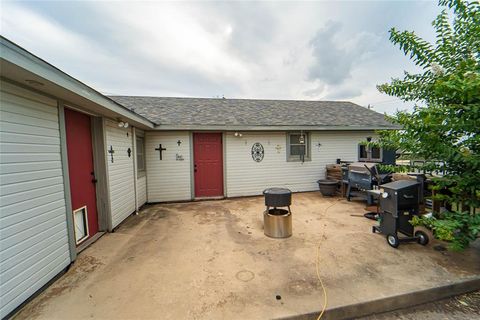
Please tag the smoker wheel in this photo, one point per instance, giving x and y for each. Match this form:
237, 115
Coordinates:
393, 240
422, 237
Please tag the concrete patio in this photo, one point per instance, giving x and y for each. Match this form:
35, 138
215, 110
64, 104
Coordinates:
211, 260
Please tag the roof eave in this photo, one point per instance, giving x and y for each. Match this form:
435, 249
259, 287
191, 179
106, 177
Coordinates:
166, 127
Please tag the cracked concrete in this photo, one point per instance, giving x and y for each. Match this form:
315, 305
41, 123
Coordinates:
211, 260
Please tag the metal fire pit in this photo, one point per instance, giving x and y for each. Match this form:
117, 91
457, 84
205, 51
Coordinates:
277, 223
277, 197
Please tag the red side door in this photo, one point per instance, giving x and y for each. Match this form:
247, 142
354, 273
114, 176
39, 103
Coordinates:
80, 167
208, 164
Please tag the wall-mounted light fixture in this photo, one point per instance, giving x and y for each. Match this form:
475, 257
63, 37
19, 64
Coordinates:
122, 124
238, 134
301, 139
179, 142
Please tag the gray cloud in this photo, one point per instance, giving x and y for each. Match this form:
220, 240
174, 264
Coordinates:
335, 56
333, 63
344, 93
315, 92
273, 50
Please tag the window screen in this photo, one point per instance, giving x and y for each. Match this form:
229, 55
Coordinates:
362, 150
298, 147
140, 154
376, 154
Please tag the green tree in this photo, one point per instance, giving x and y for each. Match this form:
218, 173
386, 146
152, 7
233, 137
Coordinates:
444, 125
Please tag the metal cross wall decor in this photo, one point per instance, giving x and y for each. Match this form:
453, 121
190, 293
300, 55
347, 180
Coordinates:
257, 152
160, 149
111, 151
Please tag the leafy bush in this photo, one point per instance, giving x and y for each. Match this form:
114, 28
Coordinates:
445, 122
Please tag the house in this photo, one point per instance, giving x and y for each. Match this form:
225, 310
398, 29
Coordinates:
68, 171
238, 147
75, 163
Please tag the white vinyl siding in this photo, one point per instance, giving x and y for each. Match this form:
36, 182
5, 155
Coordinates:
142, 191
168, 179
247, 177
120, 172
33, 229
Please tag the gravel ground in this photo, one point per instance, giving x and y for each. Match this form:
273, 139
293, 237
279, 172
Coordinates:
464, 307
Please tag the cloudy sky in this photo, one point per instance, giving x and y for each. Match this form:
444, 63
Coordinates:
266, 50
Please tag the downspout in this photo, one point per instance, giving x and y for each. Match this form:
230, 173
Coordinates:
135, 173
108, 201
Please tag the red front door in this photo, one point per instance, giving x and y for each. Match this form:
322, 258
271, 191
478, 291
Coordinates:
80, 169
208, 164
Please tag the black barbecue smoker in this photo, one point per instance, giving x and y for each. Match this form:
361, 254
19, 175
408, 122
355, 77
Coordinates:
399, 202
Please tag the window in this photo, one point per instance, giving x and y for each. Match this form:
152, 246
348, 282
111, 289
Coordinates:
376, 154
362, 152
298, 147
140, 155
370, 153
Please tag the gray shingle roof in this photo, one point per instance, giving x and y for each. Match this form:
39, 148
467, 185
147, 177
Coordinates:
204, 112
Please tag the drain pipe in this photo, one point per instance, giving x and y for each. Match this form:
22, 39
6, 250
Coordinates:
135, 173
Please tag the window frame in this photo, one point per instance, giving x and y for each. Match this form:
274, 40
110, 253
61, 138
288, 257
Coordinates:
298, 158
369, 151
141, 172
